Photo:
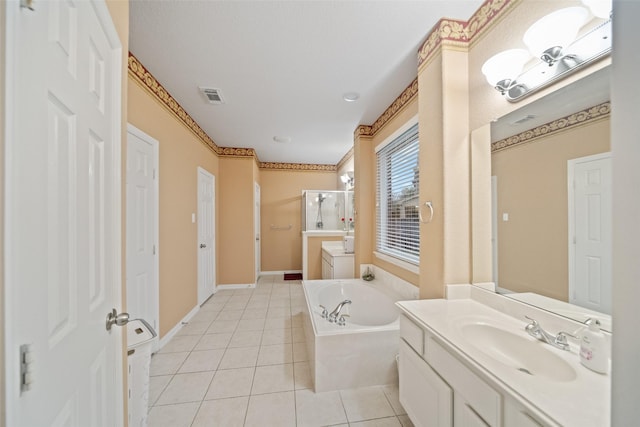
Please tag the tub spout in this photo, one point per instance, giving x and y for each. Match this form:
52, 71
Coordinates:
335, 313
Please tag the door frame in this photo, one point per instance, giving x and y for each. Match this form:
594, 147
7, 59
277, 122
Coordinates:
256, 221
10, 364
131, 129
202, 170
571, 211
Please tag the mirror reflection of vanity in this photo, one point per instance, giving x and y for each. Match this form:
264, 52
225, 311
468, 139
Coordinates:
551, 201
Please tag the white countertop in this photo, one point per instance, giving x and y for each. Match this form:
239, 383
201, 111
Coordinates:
584, 401
335, 248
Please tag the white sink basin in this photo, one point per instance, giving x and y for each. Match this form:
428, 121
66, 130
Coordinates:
531, 357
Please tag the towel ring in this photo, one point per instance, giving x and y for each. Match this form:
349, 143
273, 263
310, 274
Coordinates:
428, 204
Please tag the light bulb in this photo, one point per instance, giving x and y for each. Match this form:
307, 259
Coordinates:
556, 30
505, 66
599, 8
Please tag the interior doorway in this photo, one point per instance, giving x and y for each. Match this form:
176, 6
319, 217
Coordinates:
206, 235
143, 290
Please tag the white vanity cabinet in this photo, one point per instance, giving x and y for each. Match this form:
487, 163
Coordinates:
336, 264
437, 389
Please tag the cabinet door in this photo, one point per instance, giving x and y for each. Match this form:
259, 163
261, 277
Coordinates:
423, 394
464, 415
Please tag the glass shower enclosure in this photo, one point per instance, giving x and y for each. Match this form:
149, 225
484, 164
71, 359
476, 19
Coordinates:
324, 210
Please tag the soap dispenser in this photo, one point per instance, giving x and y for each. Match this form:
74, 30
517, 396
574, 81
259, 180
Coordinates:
594, 348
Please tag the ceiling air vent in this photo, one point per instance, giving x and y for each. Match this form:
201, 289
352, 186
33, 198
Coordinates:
214, 96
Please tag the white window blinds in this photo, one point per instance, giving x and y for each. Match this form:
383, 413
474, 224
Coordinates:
398, 225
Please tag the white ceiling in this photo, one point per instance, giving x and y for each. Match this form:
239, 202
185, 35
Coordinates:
283, 66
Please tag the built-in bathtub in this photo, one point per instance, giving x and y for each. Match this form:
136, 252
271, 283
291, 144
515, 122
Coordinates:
363, 351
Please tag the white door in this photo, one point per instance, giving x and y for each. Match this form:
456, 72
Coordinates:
206, 235
63, 207
256, 216
590, 232
142, 227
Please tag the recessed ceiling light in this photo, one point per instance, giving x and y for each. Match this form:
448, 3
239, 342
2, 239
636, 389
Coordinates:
282, 139
351, 96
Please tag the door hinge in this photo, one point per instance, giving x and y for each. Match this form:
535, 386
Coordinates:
27, 4
154, 174
154, 249
26, 367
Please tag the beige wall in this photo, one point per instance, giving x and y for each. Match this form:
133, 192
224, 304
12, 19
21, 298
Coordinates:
181, 152
236, 257
281, 206
532, 189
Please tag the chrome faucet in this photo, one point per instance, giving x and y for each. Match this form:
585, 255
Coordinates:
333, 316
535, 330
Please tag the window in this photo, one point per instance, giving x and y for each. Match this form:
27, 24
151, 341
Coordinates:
398, 224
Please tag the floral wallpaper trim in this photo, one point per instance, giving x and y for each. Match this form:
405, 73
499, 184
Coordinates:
297, 167
144, 77
405, 97
591, 114
140, 74
462, 32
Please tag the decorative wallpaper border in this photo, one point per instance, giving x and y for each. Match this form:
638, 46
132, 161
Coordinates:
146, 79
588, 115
458, 32
405, 97
141, 75
297, 167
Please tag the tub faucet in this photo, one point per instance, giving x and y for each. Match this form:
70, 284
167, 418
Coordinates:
333, 316
535, 330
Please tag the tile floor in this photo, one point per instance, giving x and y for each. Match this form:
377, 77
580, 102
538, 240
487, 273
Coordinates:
242, 361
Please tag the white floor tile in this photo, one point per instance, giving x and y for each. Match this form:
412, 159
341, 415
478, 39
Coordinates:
214, 341
271, 410
156, 387
380, 422
393, 395
284, 301
180, 343
245, 339
231, 383
254, 313
219, 326
205, 316
173, 415
273, 378
300, 352
297, 335
275, 312
235, 306
277, 323
319, 409
167, 363
193, 328
224, 412
365, 404
200, 361
186, 388
230, 314
302, 376
243, 357
250, 325
276, 336
275, 354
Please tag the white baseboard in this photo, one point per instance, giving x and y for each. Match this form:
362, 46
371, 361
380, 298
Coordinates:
279, 273
167, 337
236, 286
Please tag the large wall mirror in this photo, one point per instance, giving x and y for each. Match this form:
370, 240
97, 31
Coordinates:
551, 201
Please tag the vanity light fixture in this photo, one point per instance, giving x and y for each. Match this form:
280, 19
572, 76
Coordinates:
552, 39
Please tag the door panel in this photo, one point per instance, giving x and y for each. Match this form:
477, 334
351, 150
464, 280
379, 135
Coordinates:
590, 276
142, 227
63, 214
206, 235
